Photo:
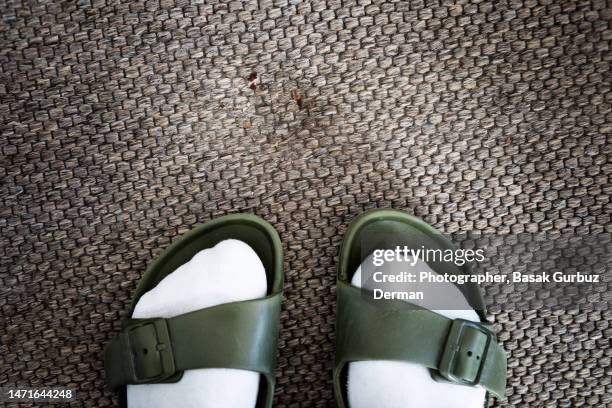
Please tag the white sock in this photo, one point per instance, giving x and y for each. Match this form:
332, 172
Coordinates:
390, 384
229, 272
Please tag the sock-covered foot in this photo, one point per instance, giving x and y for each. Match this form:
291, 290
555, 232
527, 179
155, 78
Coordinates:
390, 384
229, 272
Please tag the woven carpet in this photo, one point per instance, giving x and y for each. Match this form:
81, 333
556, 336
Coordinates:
125, 123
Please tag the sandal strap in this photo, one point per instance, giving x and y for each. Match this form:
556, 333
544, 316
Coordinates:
239, 335
458, 351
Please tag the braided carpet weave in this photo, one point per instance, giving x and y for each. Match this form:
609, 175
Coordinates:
125, 123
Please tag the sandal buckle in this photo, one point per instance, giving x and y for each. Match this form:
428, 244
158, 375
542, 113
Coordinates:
465, 352
152, 357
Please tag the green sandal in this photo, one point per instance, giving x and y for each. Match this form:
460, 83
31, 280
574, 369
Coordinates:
457, 351
158, 350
